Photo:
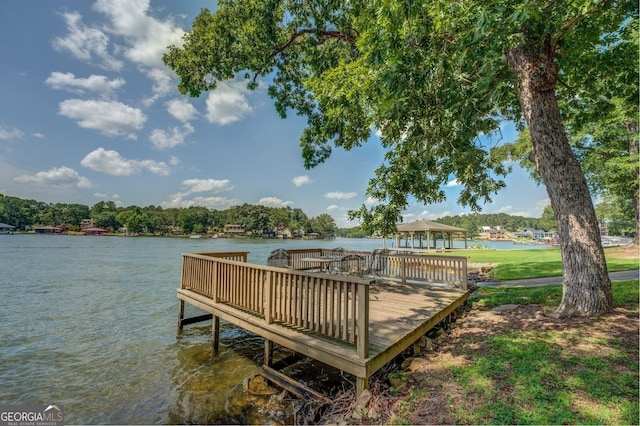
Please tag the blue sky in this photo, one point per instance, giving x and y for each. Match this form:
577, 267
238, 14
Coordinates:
90, 113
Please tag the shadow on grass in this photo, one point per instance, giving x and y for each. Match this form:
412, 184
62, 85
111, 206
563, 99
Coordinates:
535, 377
525, 368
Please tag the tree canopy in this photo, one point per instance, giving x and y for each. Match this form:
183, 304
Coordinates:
436, 80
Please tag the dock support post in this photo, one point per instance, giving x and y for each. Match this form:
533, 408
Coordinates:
215, 336
180, 315
362, 384
268, 353
362, 333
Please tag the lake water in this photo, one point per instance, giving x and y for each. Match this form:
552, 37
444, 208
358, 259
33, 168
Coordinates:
90, 323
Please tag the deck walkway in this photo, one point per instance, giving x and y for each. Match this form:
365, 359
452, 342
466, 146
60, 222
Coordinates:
395, 315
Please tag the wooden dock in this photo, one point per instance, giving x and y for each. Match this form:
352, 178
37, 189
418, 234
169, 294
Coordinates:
354, 324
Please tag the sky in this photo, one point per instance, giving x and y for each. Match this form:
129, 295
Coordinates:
90, 113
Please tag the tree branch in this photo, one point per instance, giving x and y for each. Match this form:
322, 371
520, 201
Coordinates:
568, 26
324, 36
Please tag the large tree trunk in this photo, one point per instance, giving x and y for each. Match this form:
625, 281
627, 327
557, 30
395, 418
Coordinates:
586, 286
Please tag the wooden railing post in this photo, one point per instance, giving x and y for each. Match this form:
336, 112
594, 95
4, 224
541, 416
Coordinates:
216, 283
403, 268
268, 292
465, 279
362, 342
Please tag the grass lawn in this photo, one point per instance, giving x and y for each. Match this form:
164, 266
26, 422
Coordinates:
537, 263
522, 366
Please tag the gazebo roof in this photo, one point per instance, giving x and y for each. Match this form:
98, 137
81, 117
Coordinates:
5, 226
427, 226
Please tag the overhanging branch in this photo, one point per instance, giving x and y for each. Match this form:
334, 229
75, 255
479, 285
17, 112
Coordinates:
323, 34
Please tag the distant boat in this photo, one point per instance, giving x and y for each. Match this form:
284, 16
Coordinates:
195, 236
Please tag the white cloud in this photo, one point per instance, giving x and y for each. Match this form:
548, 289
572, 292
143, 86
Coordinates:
90, 45
112, 163
100, 195
541, 204
207, 185
109, 118
227, 104
163, 84
340, 195
343, 221
453, 183
39, 135
371, 200
139, 37
94, 83
177, 200
10, 133
146, 39
174, 161
274, 202
333, 207
57, 176
173, 137
182, 109
301, 180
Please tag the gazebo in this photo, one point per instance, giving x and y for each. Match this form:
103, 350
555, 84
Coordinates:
432, 231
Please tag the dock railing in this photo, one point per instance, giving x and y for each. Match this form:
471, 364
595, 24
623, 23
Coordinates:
450, 270
297, 254
332, 305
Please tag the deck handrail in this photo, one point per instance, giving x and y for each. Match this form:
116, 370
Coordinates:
450, 270
332, 305
240, 256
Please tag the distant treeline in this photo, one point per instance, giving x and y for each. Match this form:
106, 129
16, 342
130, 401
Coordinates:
23, 213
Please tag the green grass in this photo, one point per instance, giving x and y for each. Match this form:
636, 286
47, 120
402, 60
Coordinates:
539, 376
625, 294
529, 378
534, 263
570, 373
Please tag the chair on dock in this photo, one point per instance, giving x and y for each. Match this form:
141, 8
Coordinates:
378, 262
350, 264
279, 258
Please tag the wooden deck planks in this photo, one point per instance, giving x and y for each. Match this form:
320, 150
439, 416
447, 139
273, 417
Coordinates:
399, 314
